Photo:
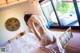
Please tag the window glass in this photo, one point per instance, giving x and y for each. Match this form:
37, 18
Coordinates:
78, 3
48, 12
66, 12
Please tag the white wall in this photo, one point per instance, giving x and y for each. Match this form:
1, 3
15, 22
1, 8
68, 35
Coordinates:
6, 14
16, 11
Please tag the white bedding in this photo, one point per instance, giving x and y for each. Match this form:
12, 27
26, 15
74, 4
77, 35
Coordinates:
28, 43
25, 44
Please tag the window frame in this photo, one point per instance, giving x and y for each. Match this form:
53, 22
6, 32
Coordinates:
63, 27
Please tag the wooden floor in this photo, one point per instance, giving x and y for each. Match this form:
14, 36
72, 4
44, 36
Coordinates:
74, 44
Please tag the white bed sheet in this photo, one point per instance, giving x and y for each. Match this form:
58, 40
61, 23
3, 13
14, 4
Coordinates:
25, 44
28, 43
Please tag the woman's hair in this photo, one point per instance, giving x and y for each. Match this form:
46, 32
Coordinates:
41, 1
26, 17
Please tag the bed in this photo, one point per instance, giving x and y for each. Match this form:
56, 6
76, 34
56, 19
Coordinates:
24, 44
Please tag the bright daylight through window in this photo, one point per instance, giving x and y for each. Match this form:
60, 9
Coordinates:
61, 12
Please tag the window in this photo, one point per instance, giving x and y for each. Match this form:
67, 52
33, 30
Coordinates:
66, 13
47, 9
61, 12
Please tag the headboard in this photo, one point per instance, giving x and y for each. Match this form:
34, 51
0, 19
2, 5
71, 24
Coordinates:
17, 36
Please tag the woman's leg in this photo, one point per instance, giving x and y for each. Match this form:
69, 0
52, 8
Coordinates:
55, 45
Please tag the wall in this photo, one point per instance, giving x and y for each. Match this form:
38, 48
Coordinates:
17, 11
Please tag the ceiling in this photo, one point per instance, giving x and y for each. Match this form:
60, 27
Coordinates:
4, 3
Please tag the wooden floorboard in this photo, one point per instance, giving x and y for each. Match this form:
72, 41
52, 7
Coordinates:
74, 44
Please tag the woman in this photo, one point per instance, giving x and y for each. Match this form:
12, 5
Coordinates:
44, 35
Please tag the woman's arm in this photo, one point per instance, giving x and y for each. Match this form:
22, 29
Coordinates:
33, 27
